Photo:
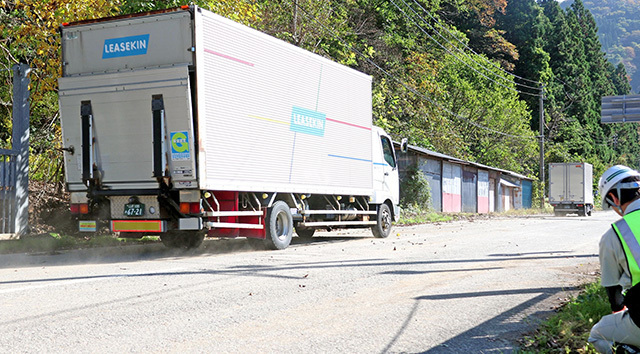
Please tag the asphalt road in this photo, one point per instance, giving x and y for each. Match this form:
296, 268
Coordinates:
464, 286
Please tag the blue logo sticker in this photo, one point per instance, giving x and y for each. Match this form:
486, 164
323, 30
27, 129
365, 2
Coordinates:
125, 46
307, 121
180, 146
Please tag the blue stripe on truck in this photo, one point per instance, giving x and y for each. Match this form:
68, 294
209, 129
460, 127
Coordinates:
349, 158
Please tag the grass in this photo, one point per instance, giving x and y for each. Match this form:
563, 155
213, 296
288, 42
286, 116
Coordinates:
548, 209
568, 330
411, 215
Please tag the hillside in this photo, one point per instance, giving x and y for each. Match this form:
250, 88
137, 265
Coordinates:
619, 32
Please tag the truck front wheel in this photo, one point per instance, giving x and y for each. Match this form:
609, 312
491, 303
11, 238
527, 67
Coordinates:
382, 228
279, 226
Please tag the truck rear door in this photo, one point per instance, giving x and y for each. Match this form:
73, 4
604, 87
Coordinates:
575, 182
119, 139
557, 183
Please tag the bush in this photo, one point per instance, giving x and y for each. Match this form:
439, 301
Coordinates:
415, 190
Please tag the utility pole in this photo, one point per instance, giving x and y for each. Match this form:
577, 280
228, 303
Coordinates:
541, 121
295, 22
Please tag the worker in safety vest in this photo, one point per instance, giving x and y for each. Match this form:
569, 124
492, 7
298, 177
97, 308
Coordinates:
619, 188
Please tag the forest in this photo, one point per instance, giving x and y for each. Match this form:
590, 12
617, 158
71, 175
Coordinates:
619, 32
460, 77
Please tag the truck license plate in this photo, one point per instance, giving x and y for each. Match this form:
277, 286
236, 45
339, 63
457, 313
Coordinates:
134, 209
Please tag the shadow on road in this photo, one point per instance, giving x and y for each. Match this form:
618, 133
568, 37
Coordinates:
495, 335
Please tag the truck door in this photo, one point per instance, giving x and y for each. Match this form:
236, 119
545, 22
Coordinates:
385, 170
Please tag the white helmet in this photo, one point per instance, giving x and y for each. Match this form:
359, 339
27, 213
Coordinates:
611, 179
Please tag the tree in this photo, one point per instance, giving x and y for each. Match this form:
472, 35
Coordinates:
29, 35
237, 10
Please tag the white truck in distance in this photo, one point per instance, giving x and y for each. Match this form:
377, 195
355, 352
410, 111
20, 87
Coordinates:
182, 123
571, 188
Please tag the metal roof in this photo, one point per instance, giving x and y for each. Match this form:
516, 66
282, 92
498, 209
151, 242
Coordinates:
462, 162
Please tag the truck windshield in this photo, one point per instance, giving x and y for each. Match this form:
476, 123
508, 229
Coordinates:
387, 149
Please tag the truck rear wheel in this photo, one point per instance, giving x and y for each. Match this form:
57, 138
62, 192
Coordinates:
279, 226
382, 229
182, 239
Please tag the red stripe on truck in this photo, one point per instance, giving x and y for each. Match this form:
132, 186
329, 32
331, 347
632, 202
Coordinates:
349, 124
228, 57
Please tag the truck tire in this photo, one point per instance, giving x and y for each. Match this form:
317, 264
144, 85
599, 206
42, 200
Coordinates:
182, 239
279, 226
305, 232
382, 229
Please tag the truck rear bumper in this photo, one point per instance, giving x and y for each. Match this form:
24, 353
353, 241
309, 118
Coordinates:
138, 226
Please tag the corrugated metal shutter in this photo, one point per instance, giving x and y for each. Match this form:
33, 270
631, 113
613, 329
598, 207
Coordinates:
527, 191
483, 191
433, 172
451, 188
469, 190
492, 195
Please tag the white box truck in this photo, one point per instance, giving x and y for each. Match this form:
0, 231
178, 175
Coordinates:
182, 123
571, 188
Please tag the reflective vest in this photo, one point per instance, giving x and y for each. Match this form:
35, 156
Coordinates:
628, 231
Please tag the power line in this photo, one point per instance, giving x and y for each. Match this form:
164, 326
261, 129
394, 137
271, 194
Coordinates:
472, 51
455, 56
406, 86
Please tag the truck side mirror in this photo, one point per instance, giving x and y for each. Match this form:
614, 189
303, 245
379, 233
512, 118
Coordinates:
404, 145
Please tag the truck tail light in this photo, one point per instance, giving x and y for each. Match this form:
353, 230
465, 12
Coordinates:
80, 208
190, 208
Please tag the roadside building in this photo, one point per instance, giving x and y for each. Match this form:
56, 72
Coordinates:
463, 186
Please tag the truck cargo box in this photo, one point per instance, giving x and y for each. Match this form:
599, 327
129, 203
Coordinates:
571, 187
266, 115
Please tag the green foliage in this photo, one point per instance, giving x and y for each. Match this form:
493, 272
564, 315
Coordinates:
619, 32
568, 330
412, 215
415, 190
237, 10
